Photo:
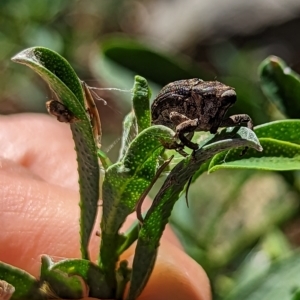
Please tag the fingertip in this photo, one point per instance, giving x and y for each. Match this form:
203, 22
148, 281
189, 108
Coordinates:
176, 276
49, 154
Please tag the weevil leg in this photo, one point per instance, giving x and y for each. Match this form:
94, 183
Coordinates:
184, 131
187, 127
178, 118
176, 146
237, 120
184, 125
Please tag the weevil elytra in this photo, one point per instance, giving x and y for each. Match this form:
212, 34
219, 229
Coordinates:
195, 105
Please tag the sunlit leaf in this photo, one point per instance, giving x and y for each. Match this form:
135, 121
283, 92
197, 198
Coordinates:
141, 103
157, 216
62, 79
123, 185
26, 286
126, 180
69, 277
59, 283
280, 141
283, 130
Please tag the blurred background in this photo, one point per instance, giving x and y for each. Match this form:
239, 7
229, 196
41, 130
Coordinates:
242, 221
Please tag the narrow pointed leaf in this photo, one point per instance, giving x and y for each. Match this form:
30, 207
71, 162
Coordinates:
130, 236
140, 117
277, 156
123, 185
281, 85
60, 76
59, 283
281, 143
70, 271
58, 73
129, 133
126, 180
205, 166
283, 130
157, 216
141, 100
26, 286
133, 174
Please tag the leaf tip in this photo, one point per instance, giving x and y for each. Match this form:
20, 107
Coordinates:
140, 79
260, 148
25, 55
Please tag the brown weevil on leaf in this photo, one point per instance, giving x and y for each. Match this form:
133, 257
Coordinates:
195, 105
57, 109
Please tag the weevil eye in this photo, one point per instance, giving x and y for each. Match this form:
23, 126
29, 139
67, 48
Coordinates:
229, 97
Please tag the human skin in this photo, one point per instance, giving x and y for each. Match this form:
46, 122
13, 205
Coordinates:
39, 209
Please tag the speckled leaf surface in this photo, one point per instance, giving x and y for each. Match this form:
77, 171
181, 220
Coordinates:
60, 76
141, 103
26, 286
157, 216
59, 283
281, 143
129, 133
71, 278
281, 85
123, 185
140, 117
283, 130
126, 180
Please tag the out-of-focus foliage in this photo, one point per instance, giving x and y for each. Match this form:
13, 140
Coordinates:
70, 28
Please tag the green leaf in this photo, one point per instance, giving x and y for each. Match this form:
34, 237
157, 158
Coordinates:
64, 278
131, 235
125, 180
281, 85
281, 144
59, 283
60, 76
277, 283
283, 130
129, 133
26, 286
157, 216
277, 156
123, 185
58, 73
140, 118
141, 99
